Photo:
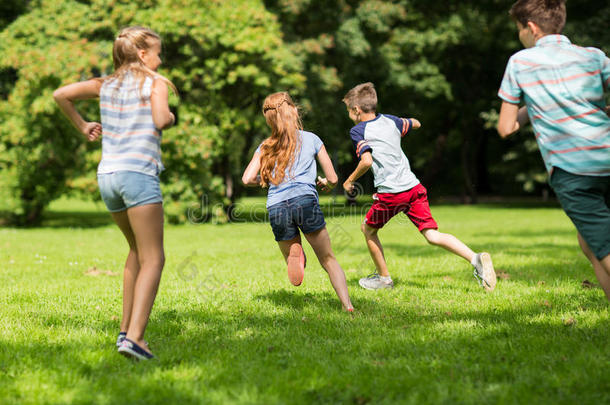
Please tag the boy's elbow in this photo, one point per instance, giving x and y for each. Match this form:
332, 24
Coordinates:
503, 131
366, 160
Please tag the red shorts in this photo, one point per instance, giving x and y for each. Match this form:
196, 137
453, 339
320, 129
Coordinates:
413, 202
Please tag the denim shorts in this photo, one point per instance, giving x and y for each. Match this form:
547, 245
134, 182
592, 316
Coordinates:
125, 189
586, 201
302, 212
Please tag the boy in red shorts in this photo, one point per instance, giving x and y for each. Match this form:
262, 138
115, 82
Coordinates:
376, 138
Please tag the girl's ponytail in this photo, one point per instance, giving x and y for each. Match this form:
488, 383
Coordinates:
278, 151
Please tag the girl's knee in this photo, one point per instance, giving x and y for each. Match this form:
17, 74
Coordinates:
327, 259
156, 260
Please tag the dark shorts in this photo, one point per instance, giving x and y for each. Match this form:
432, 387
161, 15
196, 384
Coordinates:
413, 202
586, 201
302, 212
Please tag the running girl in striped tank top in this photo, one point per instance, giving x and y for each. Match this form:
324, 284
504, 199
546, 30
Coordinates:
134, 109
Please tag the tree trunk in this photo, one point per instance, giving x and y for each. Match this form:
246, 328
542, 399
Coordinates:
469, 195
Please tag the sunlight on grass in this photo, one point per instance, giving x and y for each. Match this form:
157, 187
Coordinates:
229, 328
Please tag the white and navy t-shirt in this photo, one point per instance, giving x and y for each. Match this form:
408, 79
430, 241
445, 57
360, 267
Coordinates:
381, 136
130, 140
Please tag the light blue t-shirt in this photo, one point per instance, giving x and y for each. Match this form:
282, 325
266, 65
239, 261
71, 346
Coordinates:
301, 178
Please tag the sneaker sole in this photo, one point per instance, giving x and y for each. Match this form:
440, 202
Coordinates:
489, 275
130, 354
296, 264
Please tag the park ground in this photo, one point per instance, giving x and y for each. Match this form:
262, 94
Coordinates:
228, 327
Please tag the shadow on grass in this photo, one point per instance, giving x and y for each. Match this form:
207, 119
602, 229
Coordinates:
312, 354
298, 300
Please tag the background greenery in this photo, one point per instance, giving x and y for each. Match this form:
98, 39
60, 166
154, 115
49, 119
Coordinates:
441, 62
228, 328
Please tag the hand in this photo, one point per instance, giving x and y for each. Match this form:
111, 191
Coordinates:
92, 130
324, 184
348, 186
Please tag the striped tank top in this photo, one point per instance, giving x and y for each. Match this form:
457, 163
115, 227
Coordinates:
130, 140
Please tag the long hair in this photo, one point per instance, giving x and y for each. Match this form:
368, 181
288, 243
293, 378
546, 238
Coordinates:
126, 59
278, 151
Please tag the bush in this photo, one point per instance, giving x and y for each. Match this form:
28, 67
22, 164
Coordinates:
224, 57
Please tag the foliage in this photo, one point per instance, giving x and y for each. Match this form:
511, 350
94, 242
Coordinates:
424, 58
10, 10
224, 58
441, 62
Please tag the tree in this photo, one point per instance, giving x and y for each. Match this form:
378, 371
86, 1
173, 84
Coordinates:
439, 61
223, 57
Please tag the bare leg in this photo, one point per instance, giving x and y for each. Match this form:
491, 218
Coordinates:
320, 242
295, 259
448, 242
132, 267
601, 268
285, 245
375, 249
147, 224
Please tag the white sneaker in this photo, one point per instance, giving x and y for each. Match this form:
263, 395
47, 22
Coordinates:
484, 271
375, 282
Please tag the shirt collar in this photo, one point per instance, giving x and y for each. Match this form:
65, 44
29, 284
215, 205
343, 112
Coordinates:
553, 39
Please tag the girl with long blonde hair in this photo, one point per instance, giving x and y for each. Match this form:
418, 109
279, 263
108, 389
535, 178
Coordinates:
286, 163
134, 110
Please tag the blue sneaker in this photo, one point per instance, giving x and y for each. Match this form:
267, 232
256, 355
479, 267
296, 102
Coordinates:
131, 349
120, 338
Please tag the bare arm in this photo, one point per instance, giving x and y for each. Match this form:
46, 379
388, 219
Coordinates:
366, 161
159, 100
65, 97
416, 123
512, 118
250, 177
331, 179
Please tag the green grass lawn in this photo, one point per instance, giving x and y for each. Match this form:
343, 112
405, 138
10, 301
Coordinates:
228, 327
